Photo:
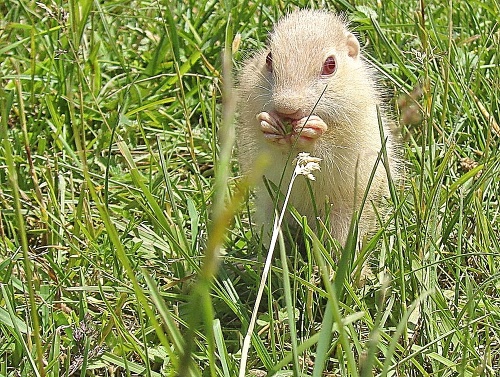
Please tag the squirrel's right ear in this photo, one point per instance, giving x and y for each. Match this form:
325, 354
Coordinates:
352, 46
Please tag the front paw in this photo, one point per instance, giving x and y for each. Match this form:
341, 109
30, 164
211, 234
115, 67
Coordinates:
272, 127
308, 129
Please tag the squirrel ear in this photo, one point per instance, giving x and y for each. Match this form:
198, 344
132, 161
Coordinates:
352, 46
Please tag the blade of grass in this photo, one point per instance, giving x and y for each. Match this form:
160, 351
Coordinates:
221, 216
20, 338
289, 304
132, 367
332, 313
399, 331
122, 256
21, 229
223, 354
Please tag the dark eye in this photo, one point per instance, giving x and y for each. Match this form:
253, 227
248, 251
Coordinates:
269, 62
329, 66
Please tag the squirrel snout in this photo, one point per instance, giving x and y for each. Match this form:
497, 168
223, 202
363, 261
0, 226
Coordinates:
290, 113
292, 116
289, 105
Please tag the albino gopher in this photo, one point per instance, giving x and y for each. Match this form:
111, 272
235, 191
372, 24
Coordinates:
312, 70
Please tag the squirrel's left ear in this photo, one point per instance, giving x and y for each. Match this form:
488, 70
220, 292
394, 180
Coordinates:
352, 45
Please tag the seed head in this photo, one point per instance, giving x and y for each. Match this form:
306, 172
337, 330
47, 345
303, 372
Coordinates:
306, 164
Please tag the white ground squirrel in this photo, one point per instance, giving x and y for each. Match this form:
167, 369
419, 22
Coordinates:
312, 70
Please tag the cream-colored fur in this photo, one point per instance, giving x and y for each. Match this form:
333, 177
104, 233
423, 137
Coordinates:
348, 140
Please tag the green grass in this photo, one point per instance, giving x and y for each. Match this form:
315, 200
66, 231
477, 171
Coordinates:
125, 242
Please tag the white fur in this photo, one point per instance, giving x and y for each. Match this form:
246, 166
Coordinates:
300, 43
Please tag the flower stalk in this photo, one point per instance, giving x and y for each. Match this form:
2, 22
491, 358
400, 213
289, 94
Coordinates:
304, 165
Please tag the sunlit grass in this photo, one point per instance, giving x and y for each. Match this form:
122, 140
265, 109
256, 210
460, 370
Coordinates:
126, 246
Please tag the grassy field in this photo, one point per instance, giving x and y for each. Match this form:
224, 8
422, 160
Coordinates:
126, 247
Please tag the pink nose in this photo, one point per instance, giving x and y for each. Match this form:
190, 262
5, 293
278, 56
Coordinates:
290, 114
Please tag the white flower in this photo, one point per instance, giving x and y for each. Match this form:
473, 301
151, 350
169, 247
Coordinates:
305, 164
